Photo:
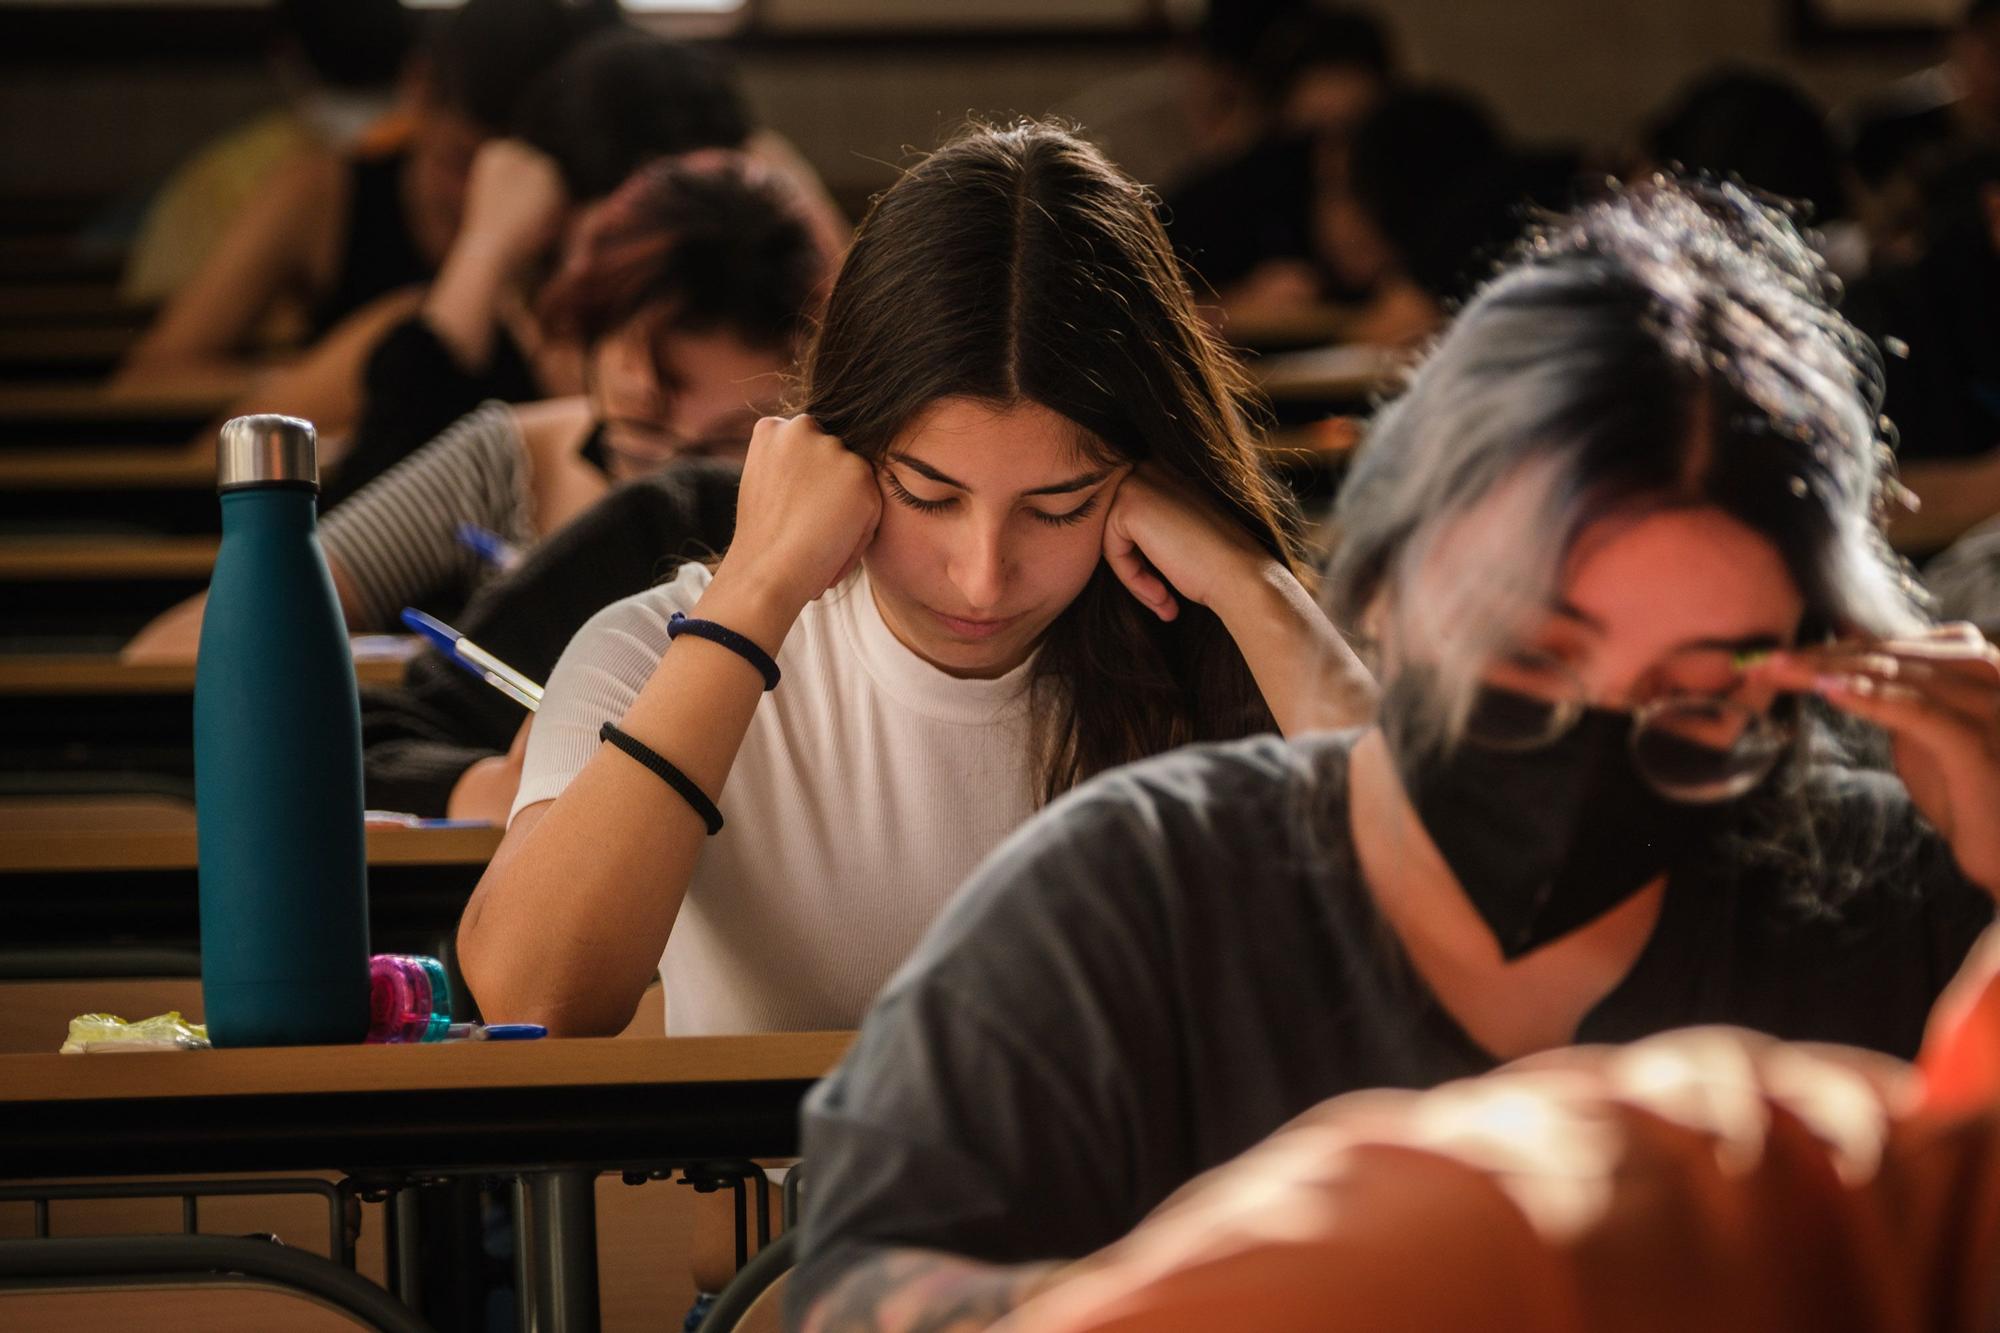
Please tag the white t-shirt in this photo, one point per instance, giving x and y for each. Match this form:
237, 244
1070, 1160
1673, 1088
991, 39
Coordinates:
869, 785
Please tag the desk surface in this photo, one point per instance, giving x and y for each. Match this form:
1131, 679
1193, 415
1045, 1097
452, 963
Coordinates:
1308, 326
87, 345
63, 557
601, 1062
89, 402
383, 1110
1348, 373
108, 467
70, 302
39, 851
101, 673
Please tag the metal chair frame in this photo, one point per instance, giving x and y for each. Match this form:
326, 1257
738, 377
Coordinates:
62, 1262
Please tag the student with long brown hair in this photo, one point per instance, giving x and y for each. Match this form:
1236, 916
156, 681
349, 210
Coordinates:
1018, 536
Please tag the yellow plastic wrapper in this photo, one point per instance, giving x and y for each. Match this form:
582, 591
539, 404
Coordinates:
94, 1034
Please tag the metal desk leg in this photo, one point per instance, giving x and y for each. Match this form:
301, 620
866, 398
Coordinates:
555, 1232
406, 1260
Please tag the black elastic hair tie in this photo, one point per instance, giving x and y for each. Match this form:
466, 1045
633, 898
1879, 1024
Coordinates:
679, 623
673, 777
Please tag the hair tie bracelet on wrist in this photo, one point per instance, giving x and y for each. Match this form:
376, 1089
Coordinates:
679, 623
673, 777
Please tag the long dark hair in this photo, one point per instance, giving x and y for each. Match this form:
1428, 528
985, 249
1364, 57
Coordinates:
1018, 265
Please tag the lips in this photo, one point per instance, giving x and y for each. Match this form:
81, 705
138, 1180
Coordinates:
973, 630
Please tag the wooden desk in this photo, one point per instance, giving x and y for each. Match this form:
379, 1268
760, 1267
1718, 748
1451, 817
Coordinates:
163, 487
117, 893
64, 714
45, 851
73, 351
88, 467
45, 258
550, 1114
90, 592
1345, 375
43, 674
91, 402
80, 816
71, 303
58, 558
1331, 441
40, 414
1309, 326
577, 1063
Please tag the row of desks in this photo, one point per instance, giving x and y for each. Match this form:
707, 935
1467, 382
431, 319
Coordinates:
548, 1116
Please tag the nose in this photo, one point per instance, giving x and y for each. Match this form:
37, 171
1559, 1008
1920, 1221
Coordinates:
978, 566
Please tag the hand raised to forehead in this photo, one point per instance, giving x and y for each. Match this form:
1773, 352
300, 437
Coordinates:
1938, 697
806, 511
1161, 539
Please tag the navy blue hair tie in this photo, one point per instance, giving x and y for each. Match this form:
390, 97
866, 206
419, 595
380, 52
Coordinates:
679, 623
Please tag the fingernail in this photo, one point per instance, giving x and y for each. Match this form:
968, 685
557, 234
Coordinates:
1755, 657
1830, 684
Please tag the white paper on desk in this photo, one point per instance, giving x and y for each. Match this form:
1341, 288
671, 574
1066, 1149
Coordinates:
385, 647
1343, 362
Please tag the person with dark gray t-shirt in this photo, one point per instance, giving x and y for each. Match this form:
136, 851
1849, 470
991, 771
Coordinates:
1617, 548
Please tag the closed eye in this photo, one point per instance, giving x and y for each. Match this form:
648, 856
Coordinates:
903, 496
1069, 519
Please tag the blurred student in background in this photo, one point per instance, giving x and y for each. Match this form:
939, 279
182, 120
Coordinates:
1938, 317
1405, 204
1898, 137
1243, 218
685, 294
622, 98
1764, 130
332, 231
340, 65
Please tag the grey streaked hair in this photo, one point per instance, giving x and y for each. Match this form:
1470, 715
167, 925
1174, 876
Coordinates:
1671, 344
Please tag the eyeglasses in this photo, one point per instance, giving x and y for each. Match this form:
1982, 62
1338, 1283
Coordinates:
641, 447
1693, 747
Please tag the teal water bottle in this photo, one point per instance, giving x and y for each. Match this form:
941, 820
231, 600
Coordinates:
277, 762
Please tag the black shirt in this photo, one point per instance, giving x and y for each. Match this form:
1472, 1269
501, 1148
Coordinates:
412, 389
1170, 963
378, 255
1233, 215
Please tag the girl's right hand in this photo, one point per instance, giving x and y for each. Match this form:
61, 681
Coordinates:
806, 511
514, 203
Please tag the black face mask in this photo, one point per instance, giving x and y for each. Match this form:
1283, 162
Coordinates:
1543, 841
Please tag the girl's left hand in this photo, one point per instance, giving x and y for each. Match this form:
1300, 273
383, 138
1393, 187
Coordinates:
1938, 697
1162, 539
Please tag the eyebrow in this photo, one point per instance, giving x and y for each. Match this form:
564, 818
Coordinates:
1070, 487
1748, 643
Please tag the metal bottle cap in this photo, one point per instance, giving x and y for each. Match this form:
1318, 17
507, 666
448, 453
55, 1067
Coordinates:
267, 450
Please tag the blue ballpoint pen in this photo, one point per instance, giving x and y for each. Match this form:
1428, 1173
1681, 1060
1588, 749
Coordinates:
475, 659
495, 1032
489, 546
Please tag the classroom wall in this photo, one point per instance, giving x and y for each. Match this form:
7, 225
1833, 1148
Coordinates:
1582, 69
1587, 68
